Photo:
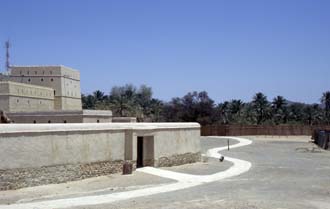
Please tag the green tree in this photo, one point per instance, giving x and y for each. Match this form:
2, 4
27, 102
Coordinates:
122, 100
205, 109
157, 108
99, 95
173, 110
236, 107
248, 114
325, 99
88, 102
312, 114
101, 100
260, 106
224, 112
193, 107
144, 101
279, 110
296, 113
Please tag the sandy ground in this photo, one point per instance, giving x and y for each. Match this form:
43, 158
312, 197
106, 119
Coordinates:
97, 185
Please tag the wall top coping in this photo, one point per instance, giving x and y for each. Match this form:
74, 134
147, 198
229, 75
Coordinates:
43, 128
36, 67
48, 113
97, 112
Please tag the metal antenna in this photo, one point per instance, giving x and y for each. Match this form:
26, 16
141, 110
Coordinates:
7, 45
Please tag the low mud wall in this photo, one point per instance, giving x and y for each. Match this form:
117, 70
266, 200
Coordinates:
272, 130
36, 154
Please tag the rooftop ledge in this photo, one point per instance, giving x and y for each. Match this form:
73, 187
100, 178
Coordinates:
40, 128
42, 66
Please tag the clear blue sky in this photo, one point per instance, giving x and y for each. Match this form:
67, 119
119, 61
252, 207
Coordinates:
229, 48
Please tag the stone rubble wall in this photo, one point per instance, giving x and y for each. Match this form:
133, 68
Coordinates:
179, 159
27, 177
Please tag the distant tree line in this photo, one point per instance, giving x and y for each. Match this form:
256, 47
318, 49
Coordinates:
198, 107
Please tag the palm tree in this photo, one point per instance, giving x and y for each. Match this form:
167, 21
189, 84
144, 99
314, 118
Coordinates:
312, 114
236, 107
99, 95
223, 109
317, 114
123, 100
157, 107
260, 105
88, 102
326, 102
279, 102
279, 107
248, 114
296, 113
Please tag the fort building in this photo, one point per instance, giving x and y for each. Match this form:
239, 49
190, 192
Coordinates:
45, 94
64, 81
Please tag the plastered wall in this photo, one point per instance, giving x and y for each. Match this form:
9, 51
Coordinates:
64, 81
19, 97
36, 145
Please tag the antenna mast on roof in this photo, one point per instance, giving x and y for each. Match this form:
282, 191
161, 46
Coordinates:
7, 45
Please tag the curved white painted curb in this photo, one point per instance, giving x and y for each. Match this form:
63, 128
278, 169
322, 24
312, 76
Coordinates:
239, 166
184, 181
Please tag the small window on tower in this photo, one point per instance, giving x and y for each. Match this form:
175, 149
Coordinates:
51, 80
42, 79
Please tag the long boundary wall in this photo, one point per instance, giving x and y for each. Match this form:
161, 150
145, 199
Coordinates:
35, 154
244, 130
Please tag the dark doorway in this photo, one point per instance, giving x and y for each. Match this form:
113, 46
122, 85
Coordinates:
139, 160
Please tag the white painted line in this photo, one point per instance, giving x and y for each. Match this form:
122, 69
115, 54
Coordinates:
181, 177
184, 181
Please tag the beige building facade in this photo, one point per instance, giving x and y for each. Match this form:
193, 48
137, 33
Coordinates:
19, 97
64, 81
45, 94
